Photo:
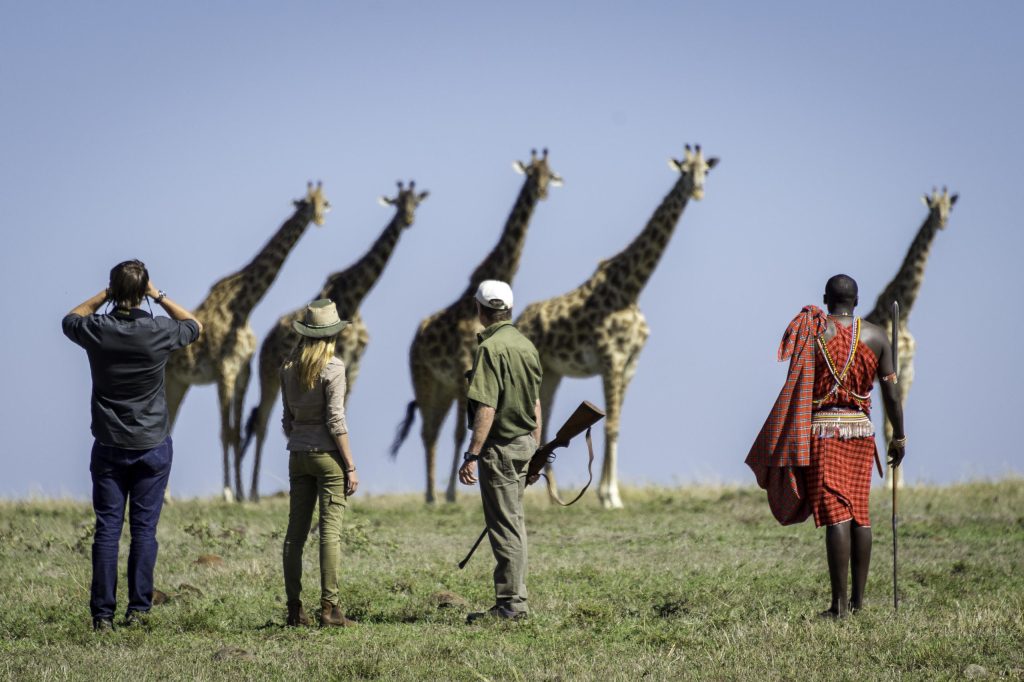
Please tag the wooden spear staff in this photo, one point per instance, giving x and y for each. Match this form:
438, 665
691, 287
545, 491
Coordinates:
892, 467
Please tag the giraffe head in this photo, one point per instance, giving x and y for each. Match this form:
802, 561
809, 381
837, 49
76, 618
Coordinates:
405, 202
939, 205
539, 174
694, 168
316, 200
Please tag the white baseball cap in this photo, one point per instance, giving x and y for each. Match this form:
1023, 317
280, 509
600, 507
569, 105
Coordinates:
494, 294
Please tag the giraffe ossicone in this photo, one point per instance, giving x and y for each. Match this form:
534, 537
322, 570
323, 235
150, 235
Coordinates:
315, 198
941, 203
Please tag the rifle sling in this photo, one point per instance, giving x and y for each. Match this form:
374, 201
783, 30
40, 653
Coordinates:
590, 479
590, 475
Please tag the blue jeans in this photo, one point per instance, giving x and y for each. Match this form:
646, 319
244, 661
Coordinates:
138, 477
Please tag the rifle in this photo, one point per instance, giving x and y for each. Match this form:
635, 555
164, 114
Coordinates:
585, 416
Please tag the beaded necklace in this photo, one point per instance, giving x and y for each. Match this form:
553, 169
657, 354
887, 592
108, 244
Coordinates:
838, 376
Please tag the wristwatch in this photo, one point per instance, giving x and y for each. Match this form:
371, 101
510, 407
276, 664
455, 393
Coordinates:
160, 296
470, 457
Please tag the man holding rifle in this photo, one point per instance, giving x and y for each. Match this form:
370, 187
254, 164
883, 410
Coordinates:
505, 417
816, 449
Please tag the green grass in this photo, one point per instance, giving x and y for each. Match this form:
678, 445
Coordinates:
693, 583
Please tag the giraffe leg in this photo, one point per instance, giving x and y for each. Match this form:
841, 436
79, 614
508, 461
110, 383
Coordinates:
175, 391
225, 392
895, 477
433, 401
616, 380
460, 439
238, 400
433, 417
548, 386
270, 384
615, 383
433, 406
607, 491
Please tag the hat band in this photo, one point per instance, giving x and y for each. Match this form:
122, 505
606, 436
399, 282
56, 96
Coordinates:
321, 326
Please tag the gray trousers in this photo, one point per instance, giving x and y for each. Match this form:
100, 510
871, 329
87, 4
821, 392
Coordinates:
502, 481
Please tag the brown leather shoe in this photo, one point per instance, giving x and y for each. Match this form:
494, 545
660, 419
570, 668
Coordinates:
331, 615
297, 615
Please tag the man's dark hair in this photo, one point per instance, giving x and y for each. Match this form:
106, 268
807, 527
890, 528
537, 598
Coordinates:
840, 289
492, 315
128, 282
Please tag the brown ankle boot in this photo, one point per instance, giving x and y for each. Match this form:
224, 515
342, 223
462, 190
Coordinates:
297, 615
332, 615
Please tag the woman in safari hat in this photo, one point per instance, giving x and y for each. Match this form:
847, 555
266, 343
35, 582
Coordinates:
320, 466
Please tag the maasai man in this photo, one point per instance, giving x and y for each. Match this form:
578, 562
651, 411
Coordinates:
815, 451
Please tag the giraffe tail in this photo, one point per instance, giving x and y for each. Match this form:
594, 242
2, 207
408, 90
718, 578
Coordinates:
249, 432
402, 432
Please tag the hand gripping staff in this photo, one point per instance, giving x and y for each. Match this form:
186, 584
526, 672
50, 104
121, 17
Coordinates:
892, 469
585, 416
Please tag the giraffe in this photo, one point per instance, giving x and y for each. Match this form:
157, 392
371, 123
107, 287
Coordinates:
222, 353
347, 288
443, 348
904, 288
598, 329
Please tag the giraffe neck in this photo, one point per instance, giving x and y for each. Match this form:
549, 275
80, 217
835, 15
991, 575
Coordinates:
349, 287
905, 286
261, 271
503, 260
623, 276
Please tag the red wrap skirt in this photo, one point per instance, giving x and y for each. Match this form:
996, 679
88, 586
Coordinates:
839, 480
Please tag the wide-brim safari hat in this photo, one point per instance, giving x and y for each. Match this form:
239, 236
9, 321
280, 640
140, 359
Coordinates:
320, 319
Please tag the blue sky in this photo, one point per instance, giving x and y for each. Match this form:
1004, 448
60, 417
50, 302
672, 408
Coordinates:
179, 134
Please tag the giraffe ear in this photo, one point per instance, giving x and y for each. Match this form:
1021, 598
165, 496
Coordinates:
423, 195
384, 201
925, 201
952, 199
712, 162
675, 165
518, 167
556, 180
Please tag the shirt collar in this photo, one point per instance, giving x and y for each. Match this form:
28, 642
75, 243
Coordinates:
490, 331
130, 314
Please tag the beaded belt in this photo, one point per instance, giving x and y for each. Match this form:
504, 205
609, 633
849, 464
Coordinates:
843, 424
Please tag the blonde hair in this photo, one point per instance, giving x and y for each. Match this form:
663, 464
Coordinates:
310, 357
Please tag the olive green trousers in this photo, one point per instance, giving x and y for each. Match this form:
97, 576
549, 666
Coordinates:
315, 477
502, 482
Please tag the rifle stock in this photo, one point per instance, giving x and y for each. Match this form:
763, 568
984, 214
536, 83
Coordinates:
585, 416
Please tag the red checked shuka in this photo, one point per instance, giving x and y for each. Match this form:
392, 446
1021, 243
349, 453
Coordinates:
842, 436
814, 452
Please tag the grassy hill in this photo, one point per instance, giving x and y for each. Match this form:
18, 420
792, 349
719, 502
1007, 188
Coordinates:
691, 583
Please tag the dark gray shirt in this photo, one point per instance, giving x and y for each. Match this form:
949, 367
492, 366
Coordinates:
127, 351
